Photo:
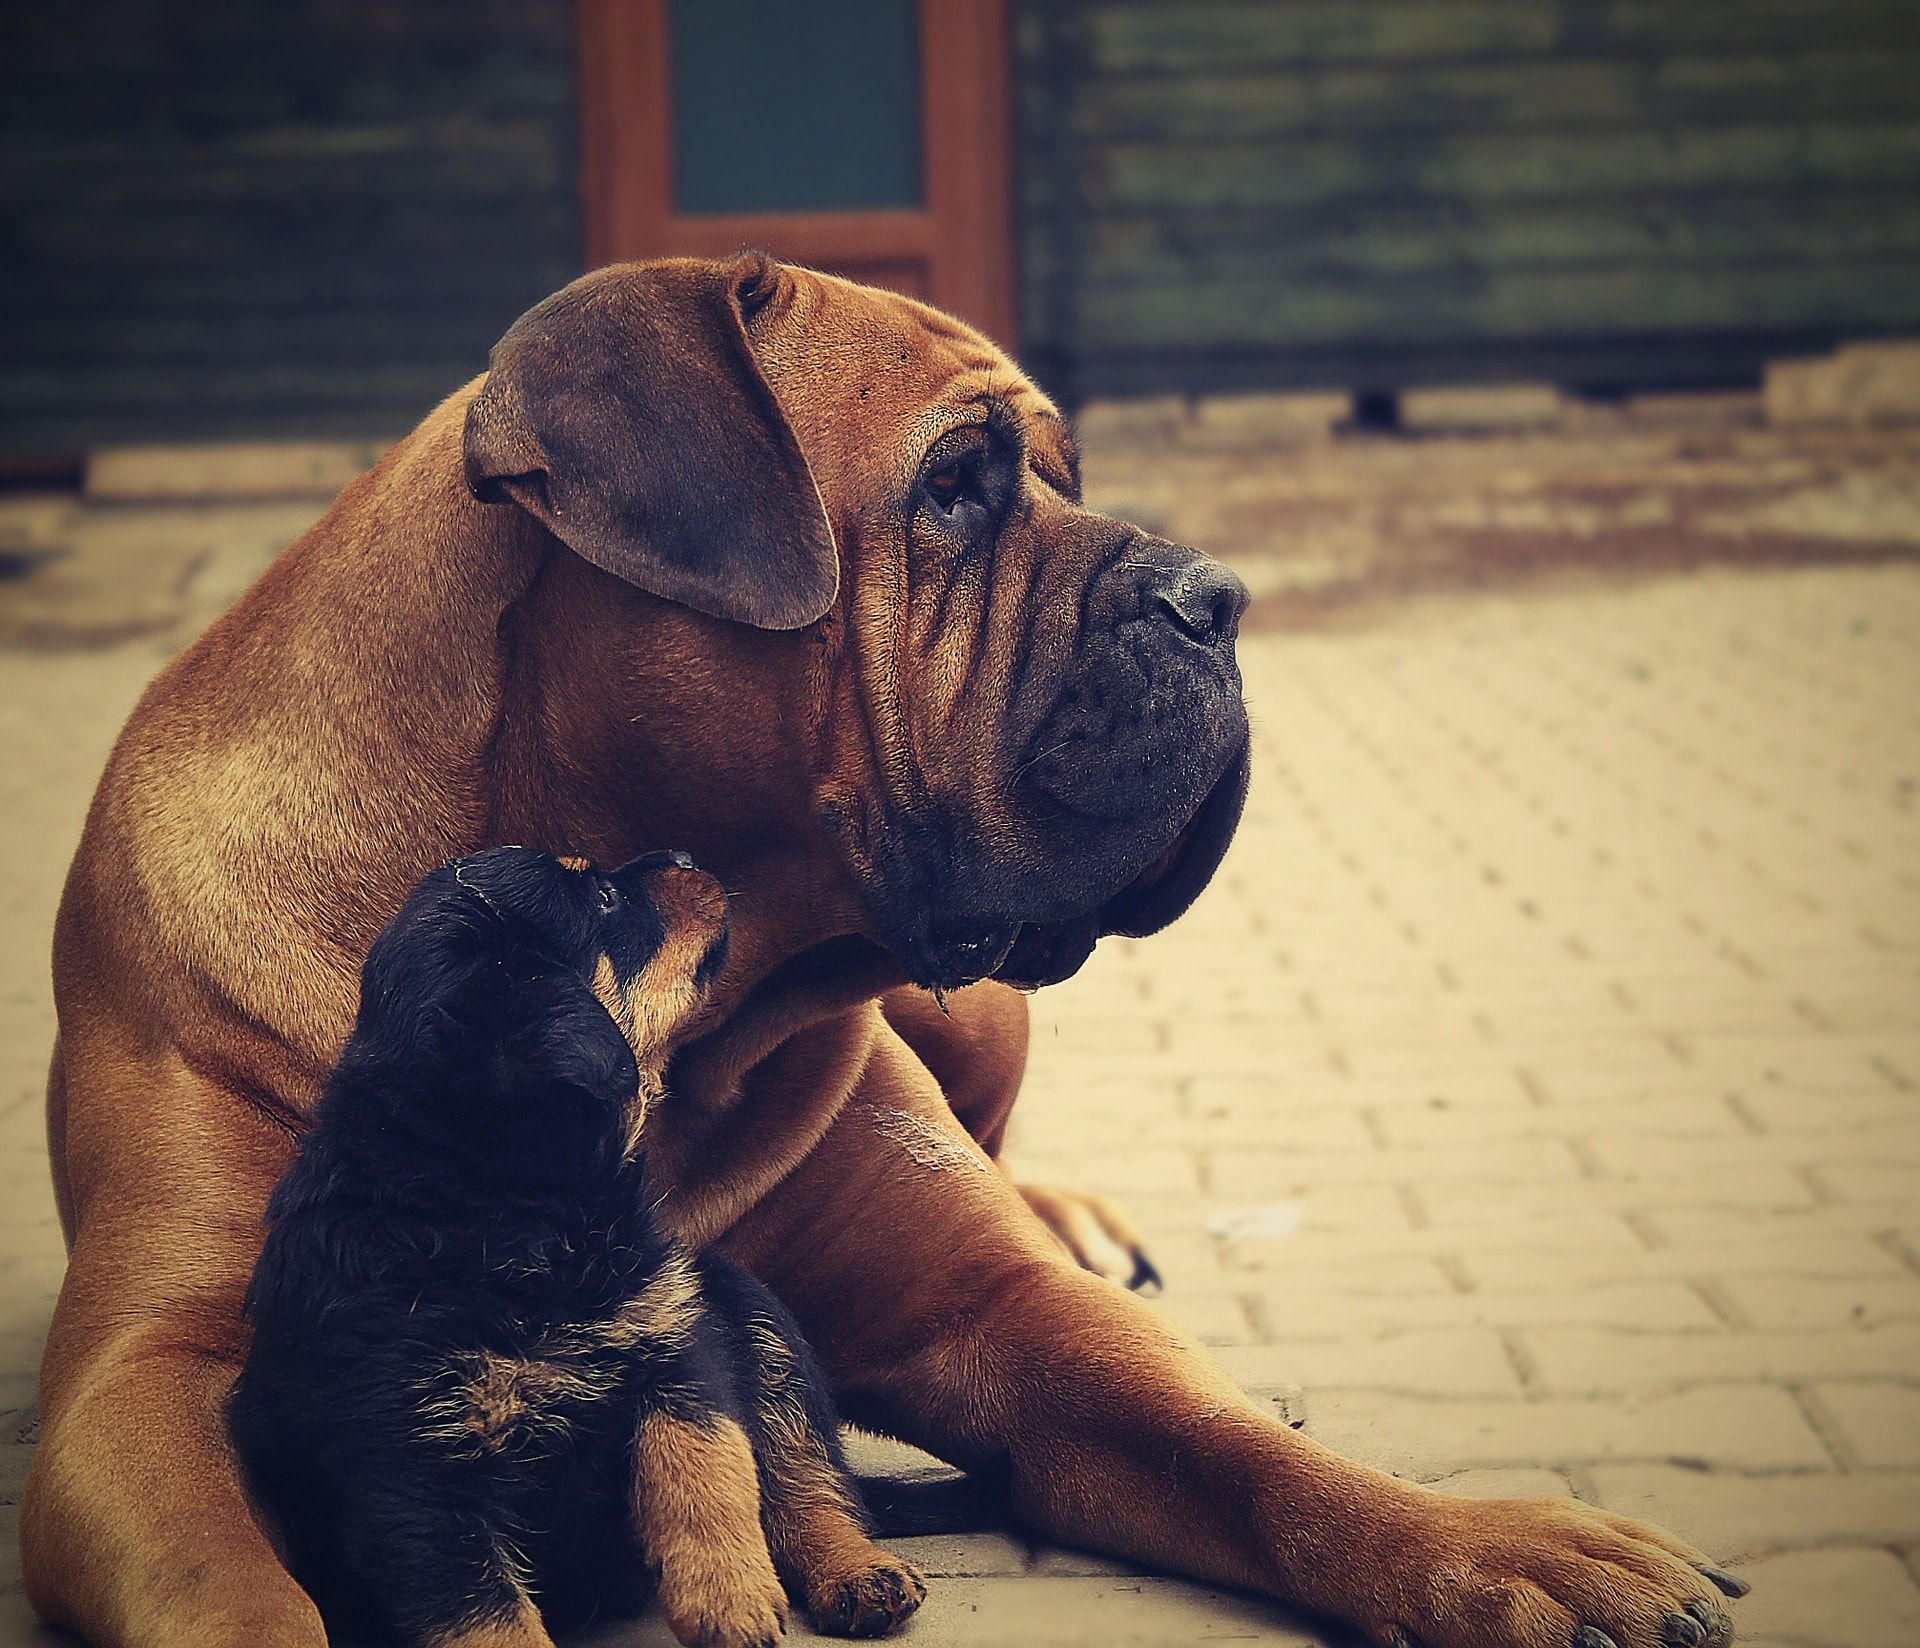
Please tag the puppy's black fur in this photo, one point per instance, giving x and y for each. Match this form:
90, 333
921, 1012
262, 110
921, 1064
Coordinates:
440, 1403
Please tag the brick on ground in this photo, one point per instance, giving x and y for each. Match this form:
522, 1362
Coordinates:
1750, 1427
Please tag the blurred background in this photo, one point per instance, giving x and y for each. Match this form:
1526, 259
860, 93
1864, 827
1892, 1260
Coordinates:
1531, 1105
225, 219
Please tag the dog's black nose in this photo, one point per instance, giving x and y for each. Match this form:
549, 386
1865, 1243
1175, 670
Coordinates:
1205, 600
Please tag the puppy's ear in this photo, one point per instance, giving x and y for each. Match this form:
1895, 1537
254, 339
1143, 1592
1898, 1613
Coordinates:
628, 415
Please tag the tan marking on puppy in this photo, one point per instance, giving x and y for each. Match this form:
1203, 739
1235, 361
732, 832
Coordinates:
659, 1002
519, 1629
697, 1506
607, 991
568, 862
523, 1628
662, 1313
852, 1586
649, 1093
505, 1400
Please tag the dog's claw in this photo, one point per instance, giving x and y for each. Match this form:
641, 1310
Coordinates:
1728, 1584
1590, 1637
1682, 1631
1146, 1274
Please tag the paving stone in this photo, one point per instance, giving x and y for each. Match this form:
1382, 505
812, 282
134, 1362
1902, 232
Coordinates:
1526, 1482
1736, 1517
1067, 1561
942, 1556
1481, 406
1811, 1302
1267, 420
1844, 1257
270, 469
1575, 1361
1632, 1305
1527, 1161
1472, 1202
1878, 1424
1436, 1362
1128, 1612
1746, 1428
1858, 383
1831, 1599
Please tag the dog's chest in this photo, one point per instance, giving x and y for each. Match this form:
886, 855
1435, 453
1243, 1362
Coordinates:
549, 1372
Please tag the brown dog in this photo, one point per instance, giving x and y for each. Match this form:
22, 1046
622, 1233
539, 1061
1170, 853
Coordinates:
792, 573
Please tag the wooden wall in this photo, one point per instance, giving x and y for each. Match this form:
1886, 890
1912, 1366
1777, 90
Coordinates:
1379, 192
251, 218
235, 218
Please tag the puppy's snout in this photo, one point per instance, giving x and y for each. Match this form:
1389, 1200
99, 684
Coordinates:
1204, 600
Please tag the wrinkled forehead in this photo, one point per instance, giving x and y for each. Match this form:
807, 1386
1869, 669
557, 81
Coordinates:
869, 379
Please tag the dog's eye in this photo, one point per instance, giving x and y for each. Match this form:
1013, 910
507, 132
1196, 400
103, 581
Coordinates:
950, 484
610, 899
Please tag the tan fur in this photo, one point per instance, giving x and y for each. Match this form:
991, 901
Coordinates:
814, 1530
504, 1400
522, 1629
697, 1505
423, 674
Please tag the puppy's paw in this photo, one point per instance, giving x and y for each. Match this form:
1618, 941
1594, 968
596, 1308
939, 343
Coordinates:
720, 1608
870, 1601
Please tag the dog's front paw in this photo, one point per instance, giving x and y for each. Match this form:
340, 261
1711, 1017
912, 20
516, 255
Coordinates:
869, 1602
721, 1607
1548, 1573
1095, 1231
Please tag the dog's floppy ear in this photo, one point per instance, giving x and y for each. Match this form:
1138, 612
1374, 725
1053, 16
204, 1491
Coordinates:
628, 415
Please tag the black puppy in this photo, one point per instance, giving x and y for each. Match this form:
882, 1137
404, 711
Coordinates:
484, 1390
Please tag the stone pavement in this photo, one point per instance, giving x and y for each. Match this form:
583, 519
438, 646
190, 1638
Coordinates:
1529, 1107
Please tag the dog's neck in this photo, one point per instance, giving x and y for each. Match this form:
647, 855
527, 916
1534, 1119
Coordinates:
450, 677
713, 762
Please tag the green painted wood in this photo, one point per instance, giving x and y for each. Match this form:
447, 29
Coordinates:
1500, 307
1182, 36
1429, 238
1525, 96
1475, 166
227, 219
1315, 189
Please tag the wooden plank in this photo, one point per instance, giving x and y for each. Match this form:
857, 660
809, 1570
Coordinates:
492, 161
1739, 87
1700, 360
459, 338
1438, 235
1145, 177
251, 469
166, 389
1495, 305
1198, 35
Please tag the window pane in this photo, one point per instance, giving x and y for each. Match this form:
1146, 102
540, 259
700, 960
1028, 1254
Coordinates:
795, 106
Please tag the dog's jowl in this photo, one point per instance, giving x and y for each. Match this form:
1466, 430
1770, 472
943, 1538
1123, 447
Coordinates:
486, 1394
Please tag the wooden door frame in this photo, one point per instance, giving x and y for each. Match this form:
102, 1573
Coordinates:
962, 236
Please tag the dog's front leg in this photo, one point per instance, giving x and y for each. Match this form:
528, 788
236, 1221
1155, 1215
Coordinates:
946, 1314
136, 1528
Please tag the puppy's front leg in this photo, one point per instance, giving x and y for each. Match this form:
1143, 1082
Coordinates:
697, 1506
